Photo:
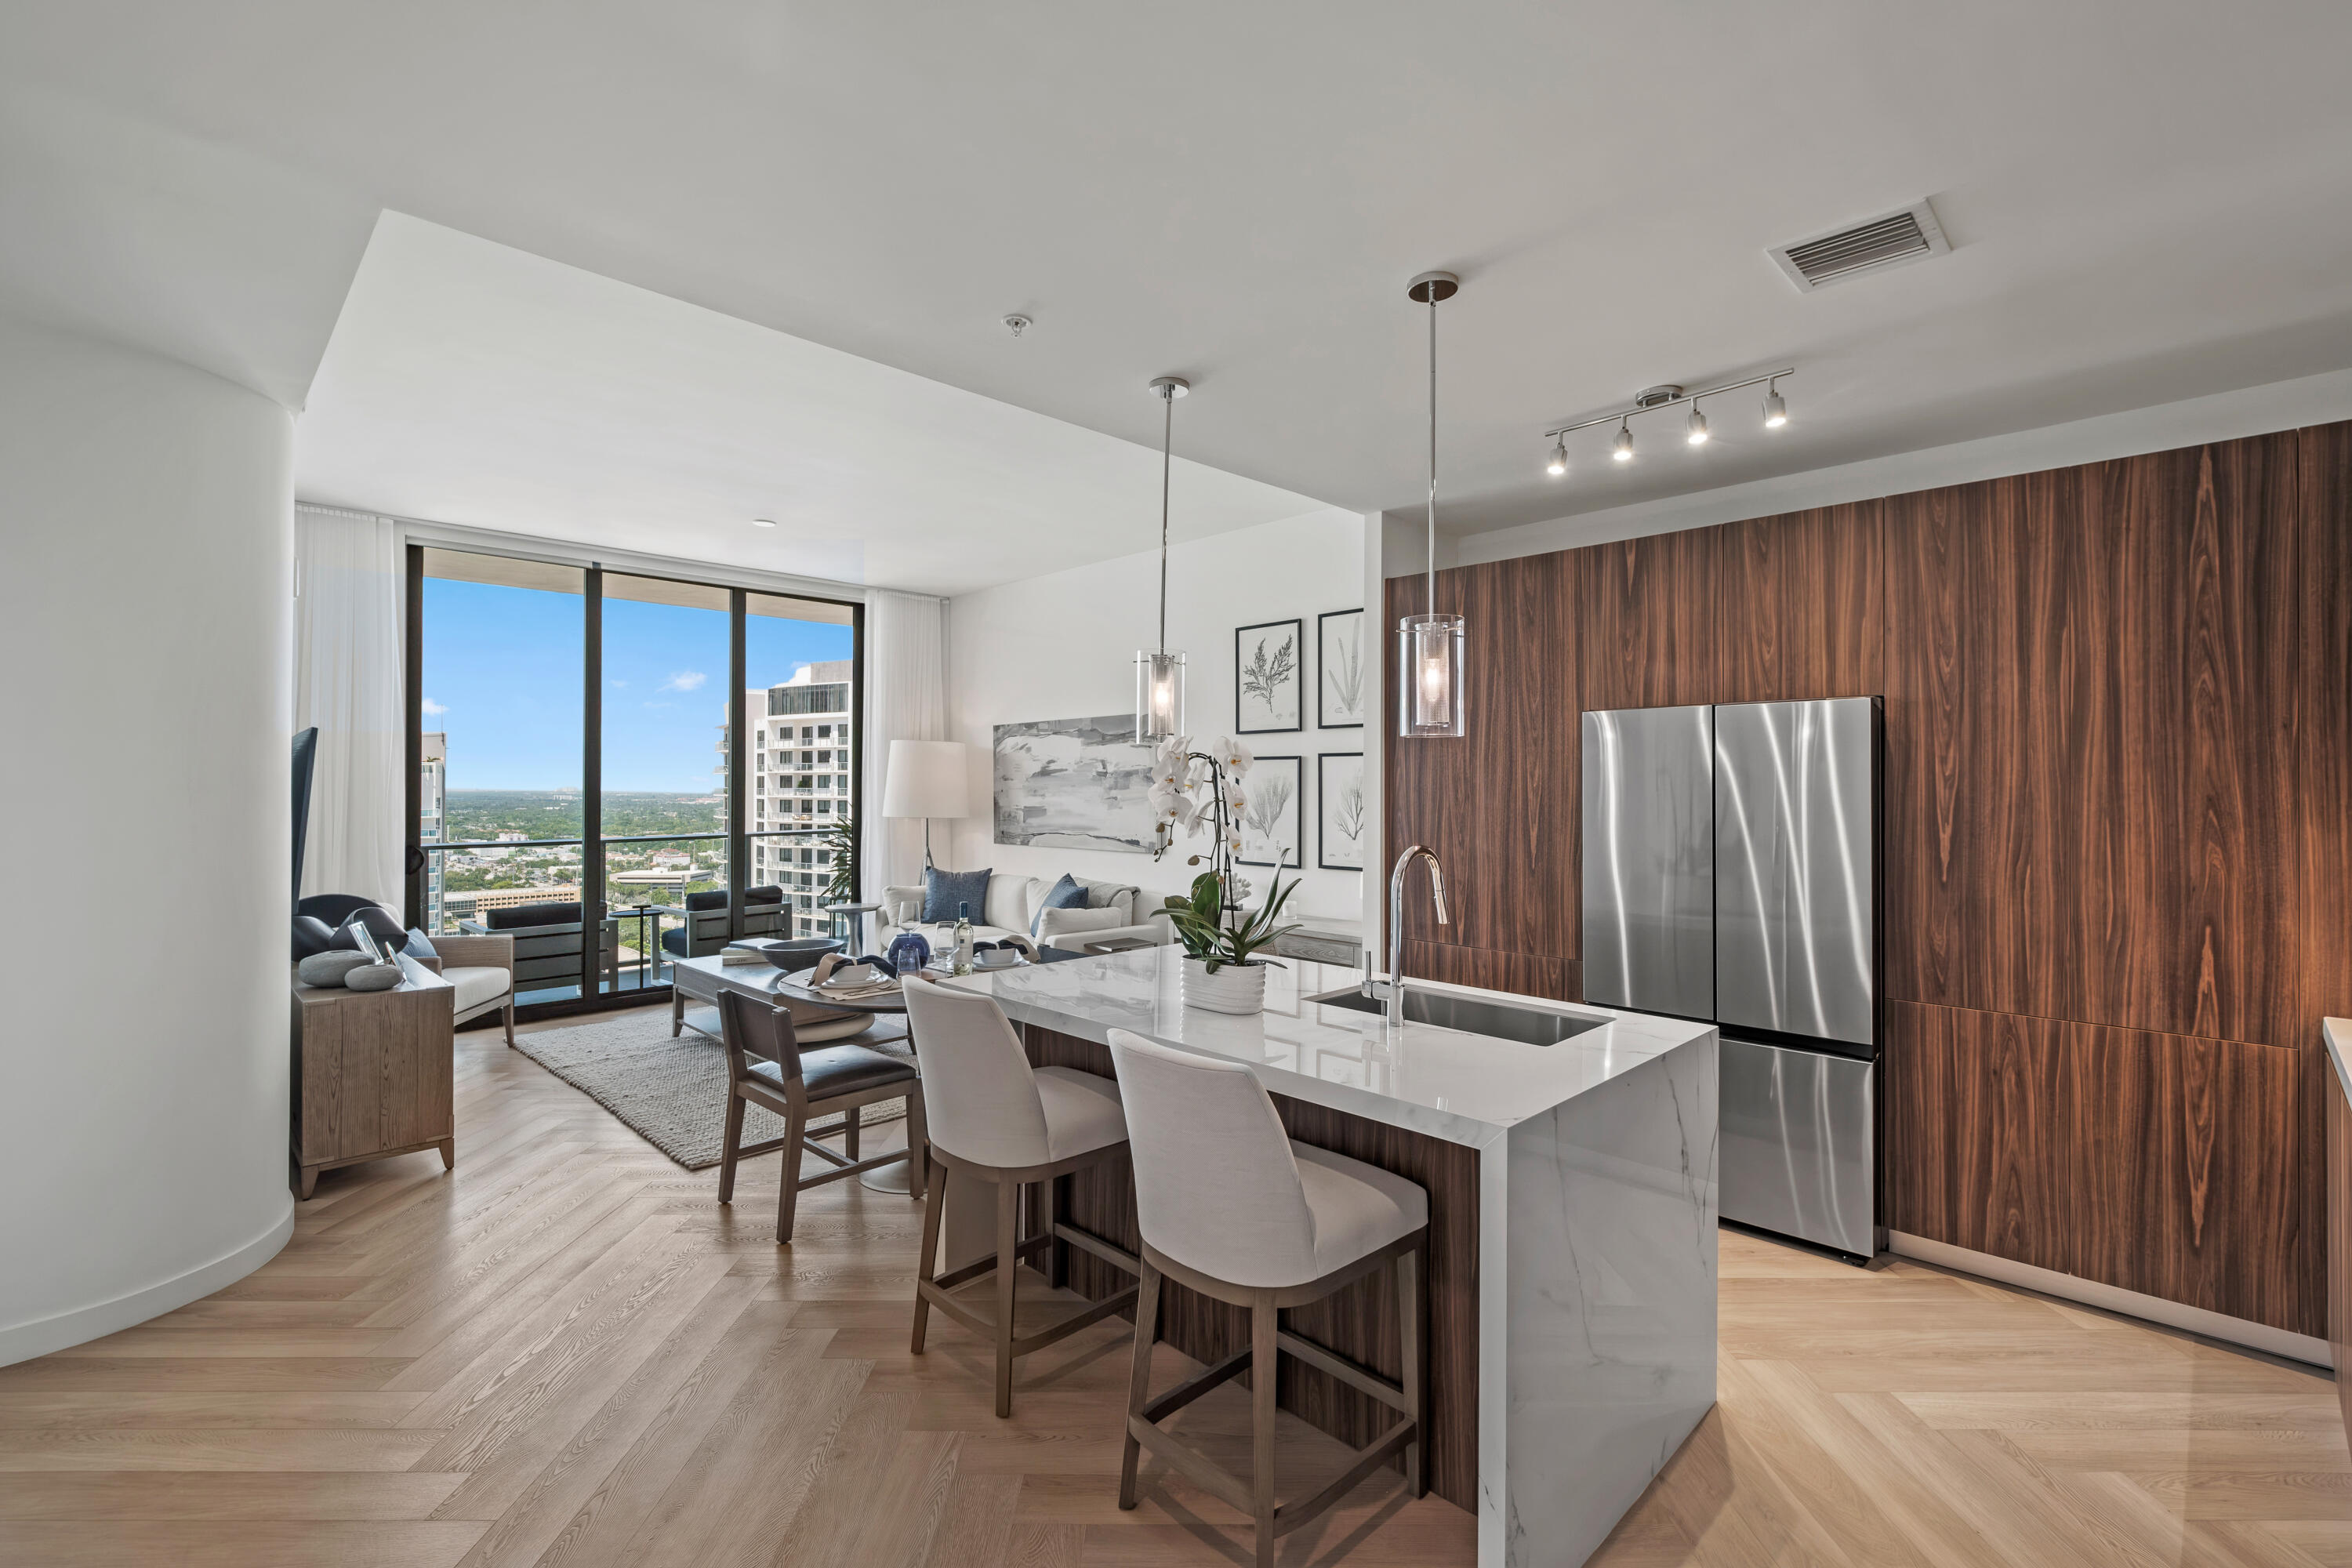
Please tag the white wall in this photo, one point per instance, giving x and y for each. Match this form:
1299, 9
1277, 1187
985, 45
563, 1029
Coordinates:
146, 516
1063, 645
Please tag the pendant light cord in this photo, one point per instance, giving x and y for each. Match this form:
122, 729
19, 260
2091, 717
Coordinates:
1167, 435
1432, 451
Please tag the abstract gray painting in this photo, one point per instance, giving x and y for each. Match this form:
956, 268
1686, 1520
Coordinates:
1073, 784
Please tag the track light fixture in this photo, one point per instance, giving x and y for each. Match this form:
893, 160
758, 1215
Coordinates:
1669, 396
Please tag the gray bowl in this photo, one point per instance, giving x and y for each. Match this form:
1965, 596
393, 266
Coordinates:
800, 951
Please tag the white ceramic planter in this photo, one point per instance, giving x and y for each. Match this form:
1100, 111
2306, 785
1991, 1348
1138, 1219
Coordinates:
1234, 988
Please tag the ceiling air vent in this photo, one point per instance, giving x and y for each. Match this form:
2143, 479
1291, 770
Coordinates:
1911, 235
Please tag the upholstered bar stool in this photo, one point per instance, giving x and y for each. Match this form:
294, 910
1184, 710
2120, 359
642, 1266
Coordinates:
994, 1118
766, 1066
1230, 1206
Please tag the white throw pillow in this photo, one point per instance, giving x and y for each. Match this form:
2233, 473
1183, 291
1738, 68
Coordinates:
1117, 896
1007, 904
1052, 923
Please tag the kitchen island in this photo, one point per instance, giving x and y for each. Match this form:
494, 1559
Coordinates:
1572, 1218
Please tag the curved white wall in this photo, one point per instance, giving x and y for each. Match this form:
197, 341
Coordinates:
146, 519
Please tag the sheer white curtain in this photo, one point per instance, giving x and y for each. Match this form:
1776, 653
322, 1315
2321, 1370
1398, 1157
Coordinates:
347, 643
906, 699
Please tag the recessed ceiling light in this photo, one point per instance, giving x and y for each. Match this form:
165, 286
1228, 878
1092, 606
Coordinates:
763, 522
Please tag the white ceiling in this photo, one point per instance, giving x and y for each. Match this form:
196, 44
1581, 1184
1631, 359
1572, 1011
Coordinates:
2148, 200
469, 382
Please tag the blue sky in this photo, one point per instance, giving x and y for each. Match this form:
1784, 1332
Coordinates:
502, 678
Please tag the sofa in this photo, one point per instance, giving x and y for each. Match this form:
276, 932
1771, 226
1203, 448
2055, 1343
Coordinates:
1012, 906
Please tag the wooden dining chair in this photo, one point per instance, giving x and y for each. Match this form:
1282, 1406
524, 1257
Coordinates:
766, 1066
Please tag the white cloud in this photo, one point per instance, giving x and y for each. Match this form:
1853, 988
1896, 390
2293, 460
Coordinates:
619, 683
432, 710
683, 681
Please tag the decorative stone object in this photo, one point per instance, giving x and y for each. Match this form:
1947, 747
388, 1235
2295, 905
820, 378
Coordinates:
332, 967
374, 977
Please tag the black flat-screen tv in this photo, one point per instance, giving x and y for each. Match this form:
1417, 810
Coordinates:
306, 748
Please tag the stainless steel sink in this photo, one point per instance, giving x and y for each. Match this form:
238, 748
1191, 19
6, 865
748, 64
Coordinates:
1529, 1026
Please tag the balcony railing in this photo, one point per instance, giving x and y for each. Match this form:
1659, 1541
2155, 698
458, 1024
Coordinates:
634, 926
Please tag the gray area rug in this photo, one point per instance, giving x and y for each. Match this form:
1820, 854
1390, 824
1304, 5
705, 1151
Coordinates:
673, 1092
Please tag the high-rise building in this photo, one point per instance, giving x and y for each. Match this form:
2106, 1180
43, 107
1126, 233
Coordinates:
801, 776
432, 818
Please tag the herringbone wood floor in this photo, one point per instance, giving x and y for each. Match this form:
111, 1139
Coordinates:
567, 1354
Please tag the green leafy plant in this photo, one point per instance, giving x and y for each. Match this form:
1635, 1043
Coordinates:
1201, 925
841, 888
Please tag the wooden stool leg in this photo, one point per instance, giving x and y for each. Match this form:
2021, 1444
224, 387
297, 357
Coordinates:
918, 1148
1411, 1271
1057, 1252
1008, 1264
1139, 1382
927, 1266
732, 1142
789, 1198
1264, 1316
852, 1124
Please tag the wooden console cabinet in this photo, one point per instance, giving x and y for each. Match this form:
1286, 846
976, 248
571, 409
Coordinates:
373, 1074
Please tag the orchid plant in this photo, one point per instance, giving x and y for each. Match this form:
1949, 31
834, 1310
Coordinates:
1194, 788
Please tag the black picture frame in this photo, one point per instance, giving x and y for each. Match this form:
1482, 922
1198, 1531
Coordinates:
1324, 688
1297, 676
1323, 814
1260, 768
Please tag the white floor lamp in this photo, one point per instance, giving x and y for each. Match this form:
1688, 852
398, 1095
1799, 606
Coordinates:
926, 779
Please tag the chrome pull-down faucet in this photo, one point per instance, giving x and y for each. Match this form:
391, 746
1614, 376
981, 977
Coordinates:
1396, 920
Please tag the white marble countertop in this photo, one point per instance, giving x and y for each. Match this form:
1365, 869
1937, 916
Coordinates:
2337, 1034
1467, 1089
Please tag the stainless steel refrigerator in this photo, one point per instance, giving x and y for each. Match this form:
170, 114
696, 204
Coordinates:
1731, 874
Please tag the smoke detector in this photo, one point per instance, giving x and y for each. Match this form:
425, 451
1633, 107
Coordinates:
1892, 239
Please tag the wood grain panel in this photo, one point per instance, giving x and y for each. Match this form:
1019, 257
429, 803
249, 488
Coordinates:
1801, 607
1646, 618
1521, 973
2321, 928
2160, 1163
1360, 1322
2091, 681
1497, 806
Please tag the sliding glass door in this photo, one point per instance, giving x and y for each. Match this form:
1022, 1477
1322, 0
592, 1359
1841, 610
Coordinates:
577, 781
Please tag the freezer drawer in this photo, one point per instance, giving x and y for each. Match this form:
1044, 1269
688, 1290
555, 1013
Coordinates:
1794, 878
1799, 1150
1649, 860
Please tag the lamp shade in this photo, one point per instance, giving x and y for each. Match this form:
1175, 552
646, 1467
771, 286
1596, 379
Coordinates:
926, 778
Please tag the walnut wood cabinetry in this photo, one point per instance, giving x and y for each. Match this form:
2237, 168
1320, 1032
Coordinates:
2119, 807
373, 1074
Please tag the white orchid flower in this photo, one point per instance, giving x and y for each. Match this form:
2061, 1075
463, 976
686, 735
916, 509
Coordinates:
1189, 814
1170, 752
1166, 802
1235, 756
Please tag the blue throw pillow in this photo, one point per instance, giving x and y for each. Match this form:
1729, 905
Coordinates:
944, 892
1066, 895
420, 946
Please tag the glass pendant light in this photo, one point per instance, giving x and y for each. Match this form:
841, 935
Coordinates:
1430, 647
1159, 673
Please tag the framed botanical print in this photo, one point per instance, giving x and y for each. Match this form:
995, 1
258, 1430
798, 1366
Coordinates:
1271, 813
1339, 800
1340, 669
1269, 690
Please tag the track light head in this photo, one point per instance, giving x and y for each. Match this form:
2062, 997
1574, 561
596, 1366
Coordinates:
1775, 407
1622, 449
1559, 464
1696, 426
